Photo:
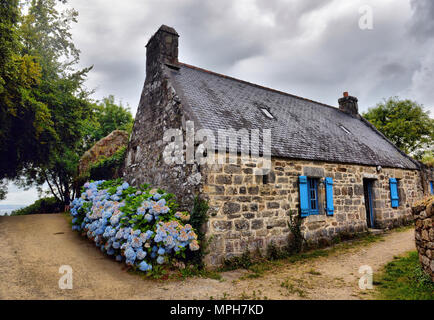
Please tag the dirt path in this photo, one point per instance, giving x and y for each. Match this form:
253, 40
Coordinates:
32, 248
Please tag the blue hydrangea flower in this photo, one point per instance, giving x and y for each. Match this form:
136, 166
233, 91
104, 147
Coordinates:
125, 185
141, 254
104, 222
130, 254
143, 266
160, 260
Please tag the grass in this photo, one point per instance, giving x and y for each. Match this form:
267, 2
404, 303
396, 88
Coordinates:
314, 272
293, 288
254, 296
165, 273
403, 279
258, 266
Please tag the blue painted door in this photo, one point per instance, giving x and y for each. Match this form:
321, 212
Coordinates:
367, 186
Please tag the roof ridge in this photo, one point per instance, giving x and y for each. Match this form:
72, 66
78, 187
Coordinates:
255, 85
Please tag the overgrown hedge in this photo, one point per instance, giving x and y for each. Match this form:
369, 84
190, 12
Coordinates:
108, 167
140, 226
44, 205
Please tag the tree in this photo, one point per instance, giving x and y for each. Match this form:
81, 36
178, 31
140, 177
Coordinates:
405, 123
25, 123
3, 189
47, 120
106, 117
45, 34
428, 157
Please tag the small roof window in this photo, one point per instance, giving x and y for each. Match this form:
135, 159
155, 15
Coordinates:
345, 129
267, 113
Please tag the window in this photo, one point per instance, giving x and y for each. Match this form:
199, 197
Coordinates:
312, 185
431, 183
309, 197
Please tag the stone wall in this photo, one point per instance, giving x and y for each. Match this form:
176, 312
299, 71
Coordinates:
246, 213
424, 233
160, 109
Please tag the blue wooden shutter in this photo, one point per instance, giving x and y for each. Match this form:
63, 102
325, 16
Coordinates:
432, 187
394, 192
304, 198
329, 196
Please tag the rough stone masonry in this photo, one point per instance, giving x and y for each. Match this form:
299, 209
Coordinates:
424, 233
310, 139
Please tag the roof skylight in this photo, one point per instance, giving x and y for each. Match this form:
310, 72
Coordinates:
267, 113
345, 129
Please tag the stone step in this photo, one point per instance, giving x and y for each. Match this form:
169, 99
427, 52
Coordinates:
376, 231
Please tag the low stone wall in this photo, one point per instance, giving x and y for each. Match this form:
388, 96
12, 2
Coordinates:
424, 234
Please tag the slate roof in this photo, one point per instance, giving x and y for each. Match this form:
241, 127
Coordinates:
301, 128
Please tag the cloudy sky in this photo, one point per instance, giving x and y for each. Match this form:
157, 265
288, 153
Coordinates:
311, 48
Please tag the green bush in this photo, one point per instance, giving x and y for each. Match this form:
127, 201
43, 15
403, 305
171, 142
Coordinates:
404, 279
44, 205
108, 168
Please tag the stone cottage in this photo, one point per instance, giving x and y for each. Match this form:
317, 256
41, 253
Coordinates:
326, 164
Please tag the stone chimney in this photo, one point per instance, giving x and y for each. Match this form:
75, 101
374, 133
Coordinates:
348, 104
161, 48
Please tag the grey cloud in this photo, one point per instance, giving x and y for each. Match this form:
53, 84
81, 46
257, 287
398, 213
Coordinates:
273, 43
392, 69
422, 23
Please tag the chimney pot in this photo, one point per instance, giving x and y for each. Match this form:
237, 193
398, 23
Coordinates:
348, 104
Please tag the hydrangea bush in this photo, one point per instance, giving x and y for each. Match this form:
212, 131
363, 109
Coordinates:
139, 226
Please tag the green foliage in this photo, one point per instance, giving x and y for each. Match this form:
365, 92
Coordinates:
3, 189
403, 279
44, 205
108, 168
296, 240
274, 253
245, 261
25, 124
405, 123
198, 271
428, 158
198, 217
43, 110
106, 117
